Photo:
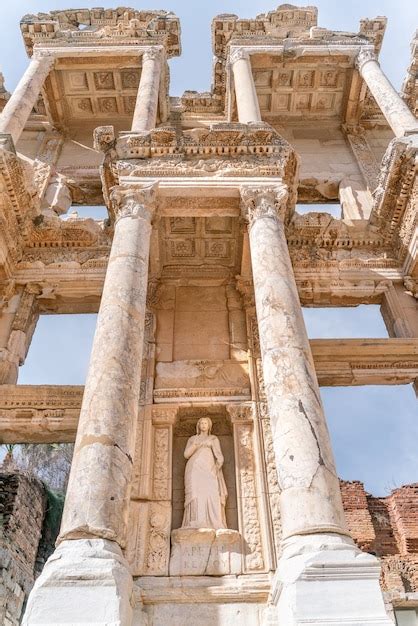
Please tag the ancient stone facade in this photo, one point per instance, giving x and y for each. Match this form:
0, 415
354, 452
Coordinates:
198, 275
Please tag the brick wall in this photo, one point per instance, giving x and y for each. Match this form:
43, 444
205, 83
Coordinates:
22, 510
387, 527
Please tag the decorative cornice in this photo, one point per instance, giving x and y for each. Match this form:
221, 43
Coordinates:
260, 202
137, 203
98, 27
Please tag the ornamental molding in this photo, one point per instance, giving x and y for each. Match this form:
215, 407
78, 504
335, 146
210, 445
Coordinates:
364, 55
153, 54
98, 27
409, 90
394, 212
262, 202
238, 54
134, 202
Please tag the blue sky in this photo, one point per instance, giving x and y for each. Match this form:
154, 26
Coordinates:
374, 429
193, 69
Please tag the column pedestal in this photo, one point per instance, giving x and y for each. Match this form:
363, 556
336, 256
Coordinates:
85, 581
322, 577
326, 580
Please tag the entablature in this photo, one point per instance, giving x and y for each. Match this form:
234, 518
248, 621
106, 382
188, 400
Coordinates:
49, 413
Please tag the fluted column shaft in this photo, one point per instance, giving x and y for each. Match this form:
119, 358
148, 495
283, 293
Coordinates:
18, 108
310, 493
245, 91
98, 491
145, 114
396, 112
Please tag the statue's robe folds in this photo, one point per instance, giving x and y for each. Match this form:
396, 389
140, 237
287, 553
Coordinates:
205, 488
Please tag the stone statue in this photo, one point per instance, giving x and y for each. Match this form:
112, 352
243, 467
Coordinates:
205, 488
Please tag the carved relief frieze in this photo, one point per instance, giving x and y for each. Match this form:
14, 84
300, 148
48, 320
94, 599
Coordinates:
271, 471
249, 498
162, 464
364, 155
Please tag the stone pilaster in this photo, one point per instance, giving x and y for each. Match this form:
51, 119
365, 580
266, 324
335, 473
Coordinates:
396, 112
96, 505
318, 559
145, 114
245, 92
18, 108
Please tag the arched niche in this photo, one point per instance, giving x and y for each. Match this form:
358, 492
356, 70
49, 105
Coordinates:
185, 427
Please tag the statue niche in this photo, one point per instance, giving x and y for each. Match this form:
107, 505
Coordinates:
204, 483
204, 544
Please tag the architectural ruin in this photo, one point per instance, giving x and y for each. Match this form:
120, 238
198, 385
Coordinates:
198, 276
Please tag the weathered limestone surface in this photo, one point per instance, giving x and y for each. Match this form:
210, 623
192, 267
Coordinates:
98, 508
310, 495
200, 317
246, 95
90, 584
398, 115
18, 108
145, 113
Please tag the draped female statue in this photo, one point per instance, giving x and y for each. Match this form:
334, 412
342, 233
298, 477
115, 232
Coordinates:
205, 488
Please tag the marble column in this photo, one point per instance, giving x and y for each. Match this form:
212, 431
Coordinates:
98, 491
399, 117
310, 492
87, 579
318, 559
18, 108
245, 91
145, 114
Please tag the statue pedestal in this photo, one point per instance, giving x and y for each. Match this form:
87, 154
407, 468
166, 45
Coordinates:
205, 552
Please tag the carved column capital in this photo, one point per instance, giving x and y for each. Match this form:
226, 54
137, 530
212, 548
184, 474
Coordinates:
152, 53
45, 57
134, 203
364, 56
257, 202
237, 54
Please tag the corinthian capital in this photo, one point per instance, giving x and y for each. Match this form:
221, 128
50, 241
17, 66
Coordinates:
152, 53
258, 202
364, 56
237, 54
137, 203
46, 58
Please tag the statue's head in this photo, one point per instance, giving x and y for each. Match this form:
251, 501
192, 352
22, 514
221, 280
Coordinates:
204, 425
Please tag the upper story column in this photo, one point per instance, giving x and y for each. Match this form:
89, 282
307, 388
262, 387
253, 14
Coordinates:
246, 94
17, 110
396, 112
145, 114
96, 503
310, 499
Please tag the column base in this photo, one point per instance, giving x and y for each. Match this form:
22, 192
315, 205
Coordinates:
85, 581
326, 580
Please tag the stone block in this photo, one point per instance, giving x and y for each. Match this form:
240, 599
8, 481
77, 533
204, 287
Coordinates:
204, 551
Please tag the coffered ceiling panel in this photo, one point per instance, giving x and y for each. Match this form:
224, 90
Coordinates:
311, 90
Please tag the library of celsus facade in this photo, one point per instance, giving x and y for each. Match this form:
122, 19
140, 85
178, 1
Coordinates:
203, 488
